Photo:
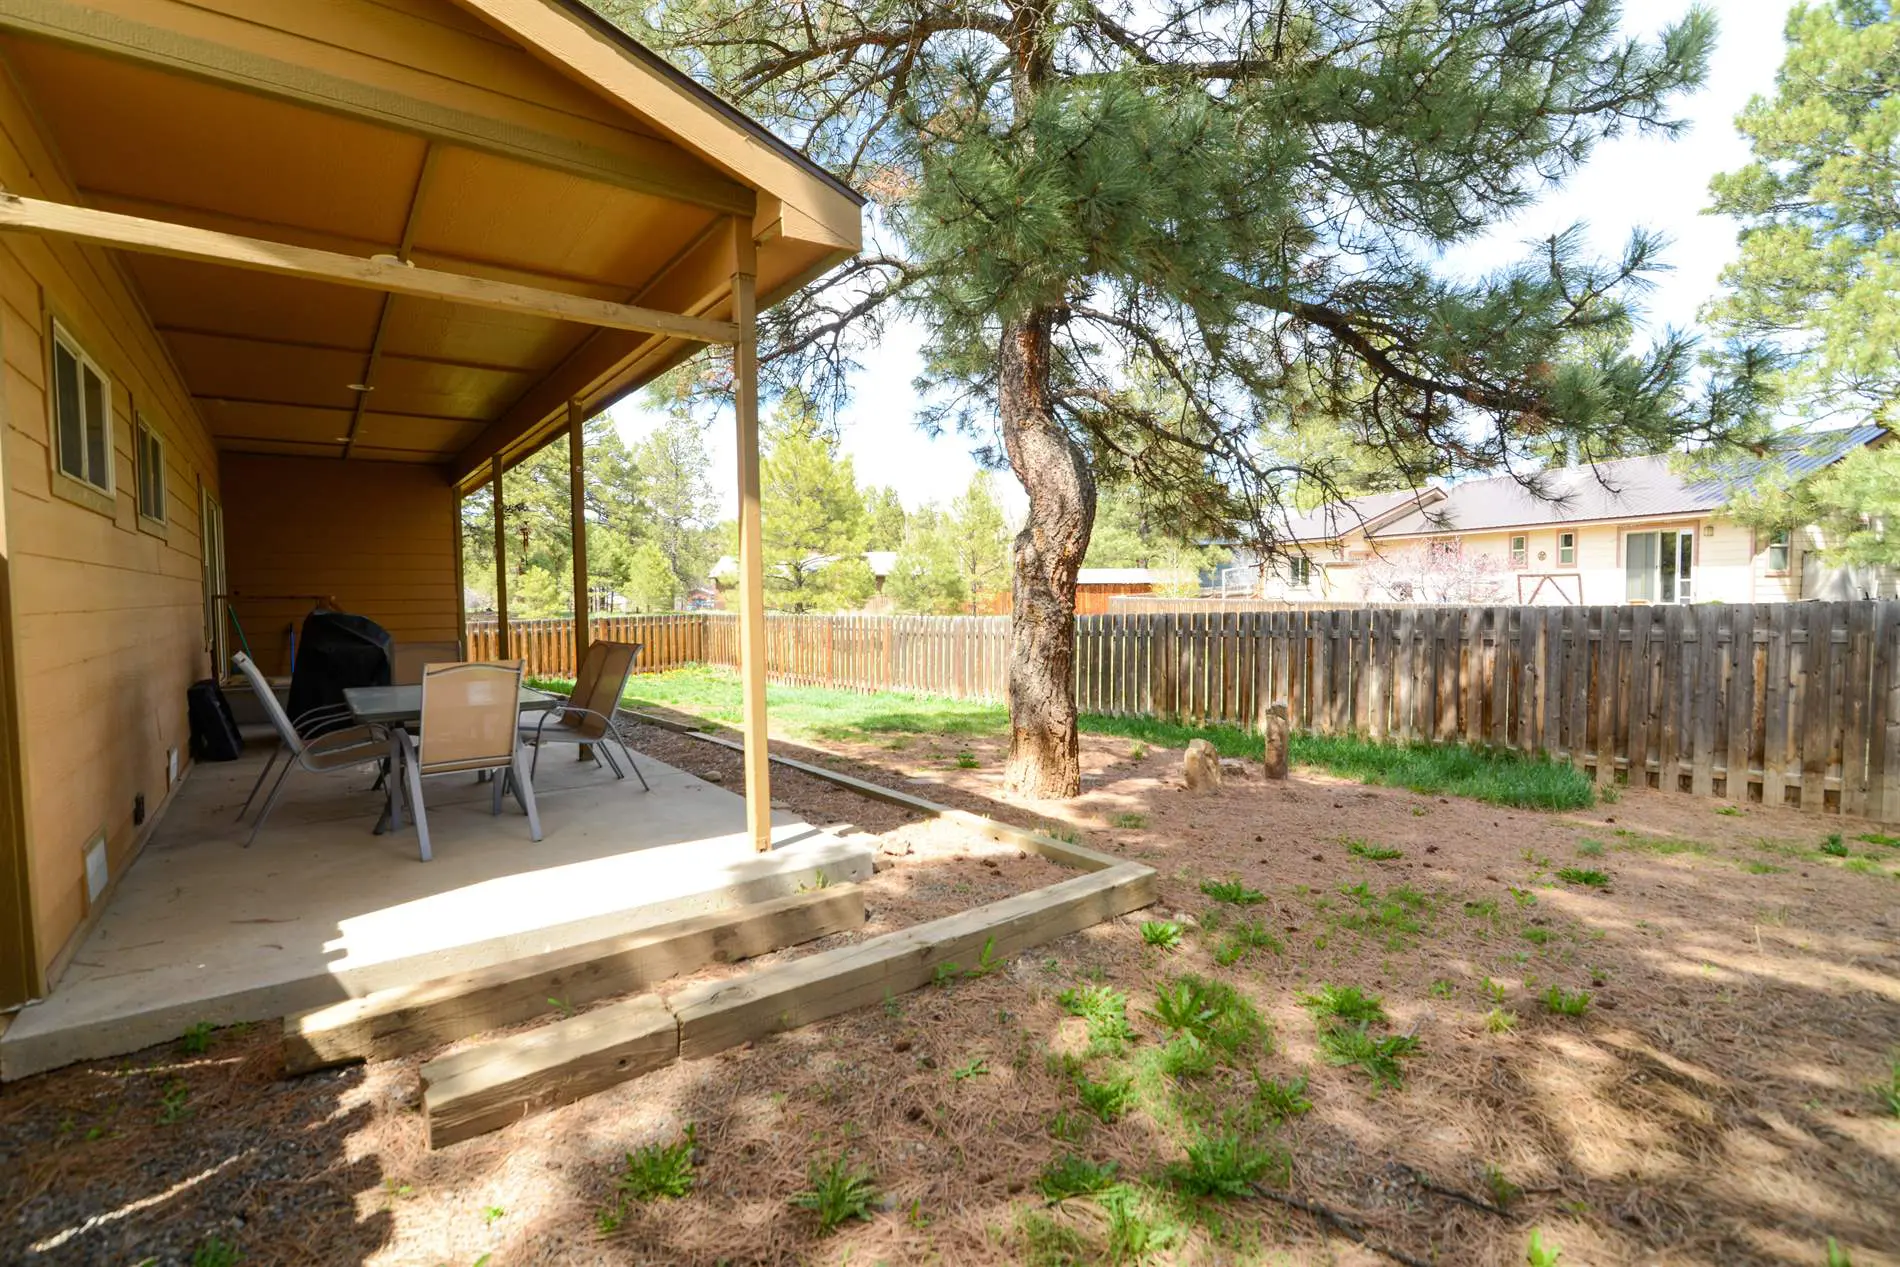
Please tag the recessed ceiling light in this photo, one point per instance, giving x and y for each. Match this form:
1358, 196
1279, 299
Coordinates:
361, 387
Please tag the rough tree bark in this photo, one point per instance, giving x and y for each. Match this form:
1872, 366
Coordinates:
1043, 757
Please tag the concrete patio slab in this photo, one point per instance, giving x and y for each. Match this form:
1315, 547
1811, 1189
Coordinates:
202, 929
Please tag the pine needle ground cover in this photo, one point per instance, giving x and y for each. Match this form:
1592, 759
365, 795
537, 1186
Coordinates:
1330, 1031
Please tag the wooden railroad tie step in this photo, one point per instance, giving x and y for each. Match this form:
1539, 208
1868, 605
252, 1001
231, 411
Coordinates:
407, 1019
489, 1086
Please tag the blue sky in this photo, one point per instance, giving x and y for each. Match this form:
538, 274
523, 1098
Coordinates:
1632, 181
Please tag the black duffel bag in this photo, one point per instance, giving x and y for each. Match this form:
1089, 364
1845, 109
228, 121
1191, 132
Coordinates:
214, 732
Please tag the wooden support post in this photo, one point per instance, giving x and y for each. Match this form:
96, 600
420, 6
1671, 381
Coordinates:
577, 527
745, 383
501, 560
461, 571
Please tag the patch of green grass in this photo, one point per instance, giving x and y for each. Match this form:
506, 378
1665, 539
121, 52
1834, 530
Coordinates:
1496, 776
1729, 811
657, 1172
966, 760
1372, 853
1281, 1100
1232, 892
974, 1068
1587, 878
1566, 1003
1043, 1242
1483, 908
1344, 1002
1377, 1055
1224, 1165
196, 1041
1130, 822
493, 1214
1539, 1254
1889, 1091
1163, 933
1762, 868
1443, 989
173, 1103
1500, 1020
1110, 1099
1105, 1011
1503, 1191
1590, 848
1836, 1256
1072, 1176
1141, 1224
1068, 1127
1834, 846
1537, 935
216, 1252
1212, 1013
1879, 838
1663, 846
839, 1193
1241, 940
1396, 913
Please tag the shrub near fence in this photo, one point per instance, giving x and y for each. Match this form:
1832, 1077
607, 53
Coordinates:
1783, 703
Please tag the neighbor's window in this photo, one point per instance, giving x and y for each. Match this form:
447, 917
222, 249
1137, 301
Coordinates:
82, 414
1299, 572
1778, 549
151, 467
1443, 549
1520, 550
1567, 548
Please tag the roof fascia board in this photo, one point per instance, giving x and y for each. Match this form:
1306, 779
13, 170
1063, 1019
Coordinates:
582, 44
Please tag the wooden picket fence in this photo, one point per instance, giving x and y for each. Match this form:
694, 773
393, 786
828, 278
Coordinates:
669, 640
1794, 704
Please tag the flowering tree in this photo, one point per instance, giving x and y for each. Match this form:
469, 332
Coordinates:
1438, 572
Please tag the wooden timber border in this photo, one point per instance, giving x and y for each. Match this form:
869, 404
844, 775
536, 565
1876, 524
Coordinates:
493, 1084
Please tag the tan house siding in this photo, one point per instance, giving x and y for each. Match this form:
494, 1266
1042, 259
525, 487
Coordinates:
107, 615
376, 537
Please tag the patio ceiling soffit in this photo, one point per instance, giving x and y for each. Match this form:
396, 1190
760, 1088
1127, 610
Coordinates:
643, 164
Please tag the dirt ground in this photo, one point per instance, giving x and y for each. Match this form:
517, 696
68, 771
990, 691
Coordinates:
1713, 1104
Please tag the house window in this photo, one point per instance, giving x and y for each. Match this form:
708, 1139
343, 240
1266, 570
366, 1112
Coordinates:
1779, 546
1567, 548
1658, 567
1520, 551
1444, 549
151, 469
1299, 572
82, 414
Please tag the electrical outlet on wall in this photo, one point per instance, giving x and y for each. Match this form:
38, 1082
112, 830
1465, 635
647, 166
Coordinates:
98, 870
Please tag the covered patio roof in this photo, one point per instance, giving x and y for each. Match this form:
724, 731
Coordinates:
524, 142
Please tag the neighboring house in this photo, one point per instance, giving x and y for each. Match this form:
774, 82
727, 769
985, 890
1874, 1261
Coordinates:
1627, 531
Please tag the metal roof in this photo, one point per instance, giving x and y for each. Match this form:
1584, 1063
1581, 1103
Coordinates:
1629, 488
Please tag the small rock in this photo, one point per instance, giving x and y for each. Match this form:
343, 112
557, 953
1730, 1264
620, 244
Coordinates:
1431, 848
880, 864
713, 776
1200, 766
1259, 840
1319, 857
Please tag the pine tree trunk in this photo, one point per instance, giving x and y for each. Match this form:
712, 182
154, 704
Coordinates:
1044, 760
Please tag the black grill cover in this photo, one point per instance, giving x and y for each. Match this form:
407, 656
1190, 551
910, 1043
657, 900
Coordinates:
336, 650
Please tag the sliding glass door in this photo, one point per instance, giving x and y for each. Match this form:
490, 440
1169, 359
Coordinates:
1659, 567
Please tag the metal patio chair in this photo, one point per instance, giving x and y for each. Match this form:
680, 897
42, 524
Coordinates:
587, 717
327, 753
410, 658
471, 715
